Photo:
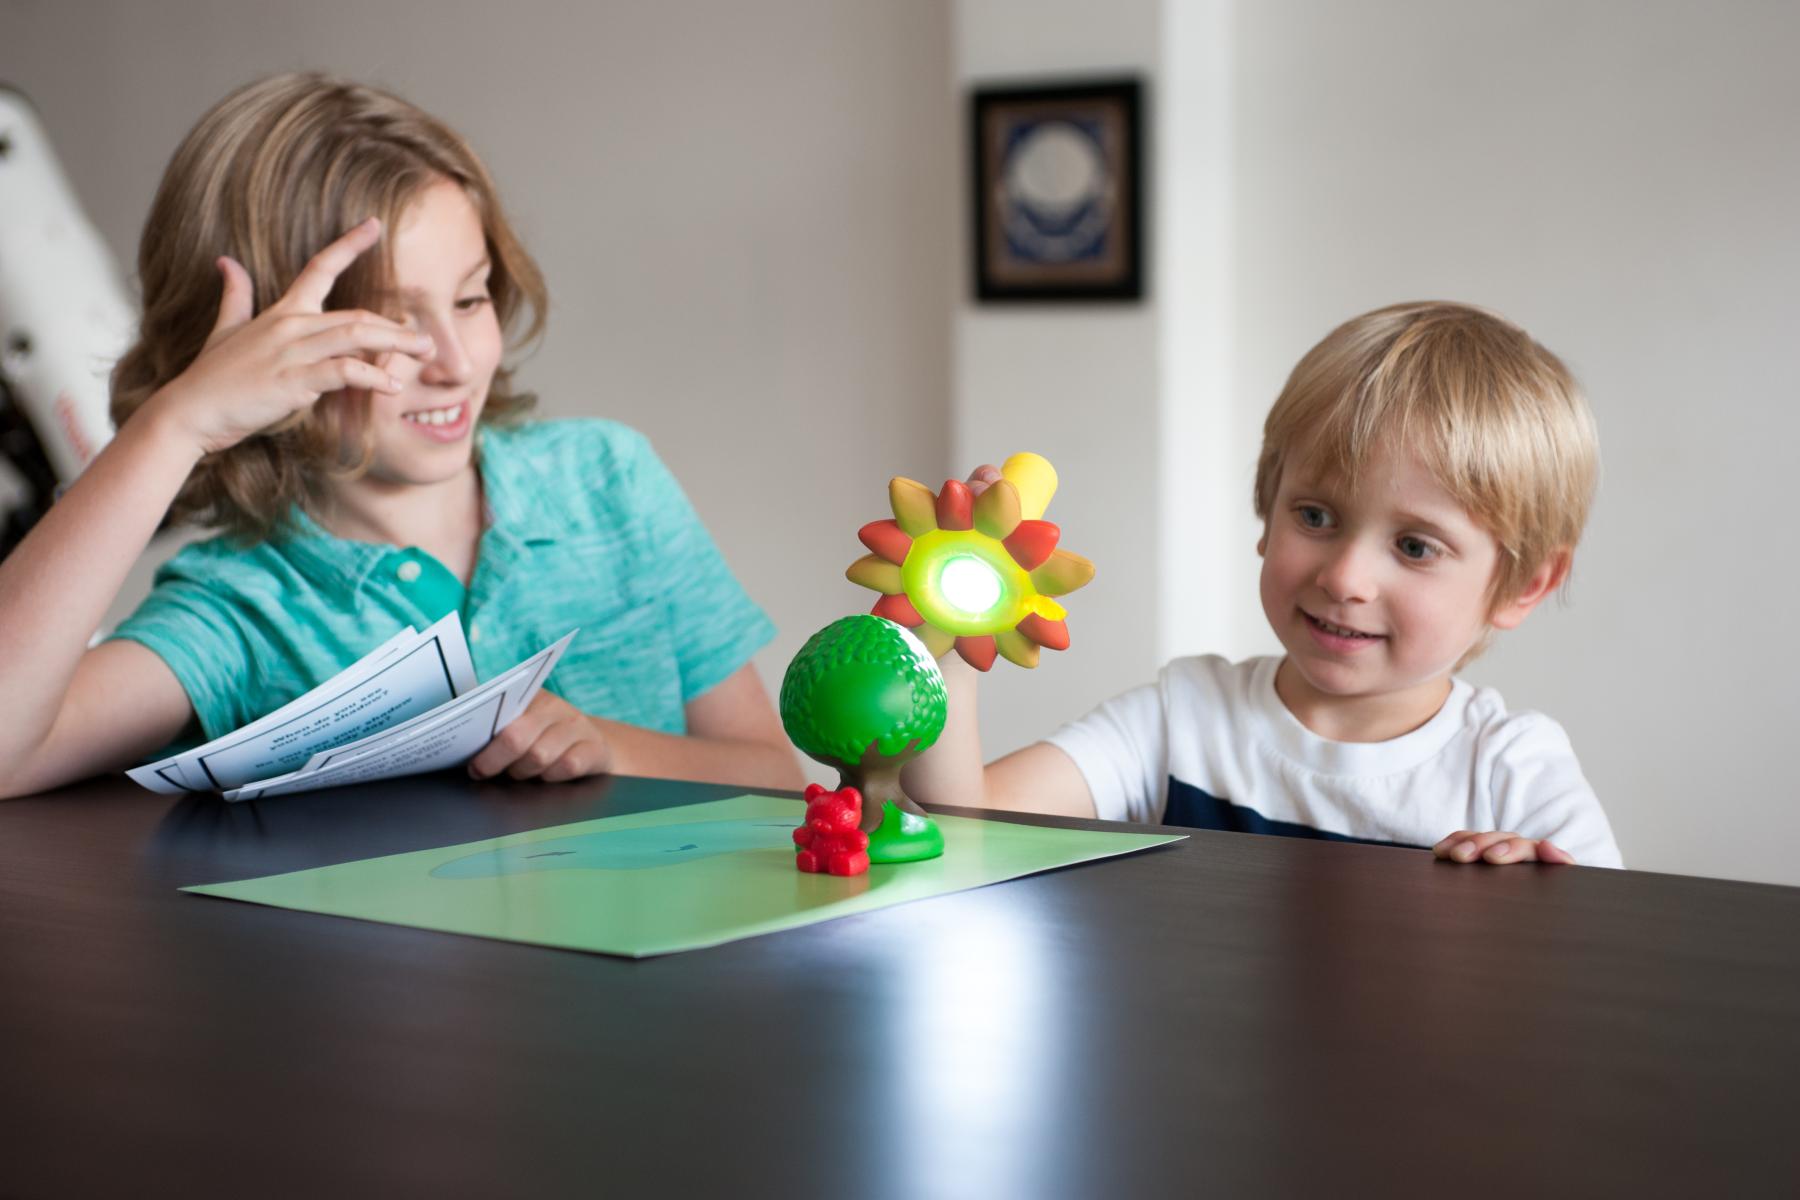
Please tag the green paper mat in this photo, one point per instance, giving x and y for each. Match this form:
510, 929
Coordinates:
660, 882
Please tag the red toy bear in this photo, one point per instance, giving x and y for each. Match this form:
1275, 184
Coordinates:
831, 839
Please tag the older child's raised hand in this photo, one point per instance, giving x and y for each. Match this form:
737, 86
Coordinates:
551, 740
1467, 846
256, 370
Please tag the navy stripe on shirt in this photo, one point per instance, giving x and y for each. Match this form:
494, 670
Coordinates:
1196, 808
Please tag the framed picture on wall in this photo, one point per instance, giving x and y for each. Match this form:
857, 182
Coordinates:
1058, 204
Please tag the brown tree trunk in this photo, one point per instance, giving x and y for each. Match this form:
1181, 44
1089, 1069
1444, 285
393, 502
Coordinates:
877, 777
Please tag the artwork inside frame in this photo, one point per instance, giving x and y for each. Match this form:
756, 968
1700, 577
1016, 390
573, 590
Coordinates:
1058, 198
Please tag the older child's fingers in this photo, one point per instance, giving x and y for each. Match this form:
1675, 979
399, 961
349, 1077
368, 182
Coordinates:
236, 298
570, 766
586, 757
546, 750
320, 275
1445, 841
336, 374
514, 740
506, 747
351, 337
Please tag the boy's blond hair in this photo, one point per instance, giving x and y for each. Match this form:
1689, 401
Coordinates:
270, 176
1496, 418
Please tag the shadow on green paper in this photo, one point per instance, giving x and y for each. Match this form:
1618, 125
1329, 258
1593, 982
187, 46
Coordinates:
624, 849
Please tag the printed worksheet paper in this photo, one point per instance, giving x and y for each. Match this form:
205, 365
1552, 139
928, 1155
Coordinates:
410, 705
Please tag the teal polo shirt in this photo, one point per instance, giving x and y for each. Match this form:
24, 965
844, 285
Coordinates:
585, 527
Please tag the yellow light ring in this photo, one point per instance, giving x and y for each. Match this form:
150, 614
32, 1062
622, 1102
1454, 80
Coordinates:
948, 596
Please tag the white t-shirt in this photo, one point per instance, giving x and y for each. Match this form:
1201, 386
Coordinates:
1210, 745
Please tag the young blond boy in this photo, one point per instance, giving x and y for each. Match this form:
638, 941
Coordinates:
1424, 478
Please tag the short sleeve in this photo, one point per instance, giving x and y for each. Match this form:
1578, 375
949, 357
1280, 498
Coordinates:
717, 627
194, 632
1122, 750
1539, 791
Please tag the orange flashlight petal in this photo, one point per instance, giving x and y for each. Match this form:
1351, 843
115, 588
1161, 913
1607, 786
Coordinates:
1015, 647
887, 539
898, 609
1031, 543
978, 652
955, 506
1052, 635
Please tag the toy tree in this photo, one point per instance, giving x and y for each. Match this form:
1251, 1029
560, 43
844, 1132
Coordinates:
865, 697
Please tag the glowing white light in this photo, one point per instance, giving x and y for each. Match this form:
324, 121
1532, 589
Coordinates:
969, 584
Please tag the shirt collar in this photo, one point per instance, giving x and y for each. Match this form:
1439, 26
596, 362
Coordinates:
335, 565
1325, 756
514, 521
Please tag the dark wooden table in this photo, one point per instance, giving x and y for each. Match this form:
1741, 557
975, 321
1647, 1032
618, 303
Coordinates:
1231, 1015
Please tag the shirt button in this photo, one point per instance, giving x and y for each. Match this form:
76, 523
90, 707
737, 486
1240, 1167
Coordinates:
408, 571
475, 634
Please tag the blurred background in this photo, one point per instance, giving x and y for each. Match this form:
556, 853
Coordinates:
754, 222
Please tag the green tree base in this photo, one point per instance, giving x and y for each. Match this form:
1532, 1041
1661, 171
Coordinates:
904, 837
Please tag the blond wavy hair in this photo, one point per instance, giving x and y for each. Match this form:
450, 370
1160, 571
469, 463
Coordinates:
1495, 418
272, 174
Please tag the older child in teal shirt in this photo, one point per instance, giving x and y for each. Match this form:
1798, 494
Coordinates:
344, 419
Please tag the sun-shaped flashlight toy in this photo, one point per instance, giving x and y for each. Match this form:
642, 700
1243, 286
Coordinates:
974, 572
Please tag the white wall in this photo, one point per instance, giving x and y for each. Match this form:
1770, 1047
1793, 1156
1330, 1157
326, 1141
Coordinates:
1077, 383
743, 211
1207, 437
1134, 403
1622, 178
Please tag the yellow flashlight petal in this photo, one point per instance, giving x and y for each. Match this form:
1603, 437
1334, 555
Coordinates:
1046, 608
997, 510
936, 640
915, 505
1035, 478
873, 571
1062, 574
1015, 647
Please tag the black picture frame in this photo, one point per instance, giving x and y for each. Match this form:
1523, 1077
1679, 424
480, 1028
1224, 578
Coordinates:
1058, 204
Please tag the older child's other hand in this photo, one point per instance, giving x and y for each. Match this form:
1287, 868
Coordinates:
551, 740
1467, 846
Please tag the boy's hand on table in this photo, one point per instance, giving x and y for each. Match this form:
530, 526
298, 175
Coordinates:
1467, 846
551, 740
